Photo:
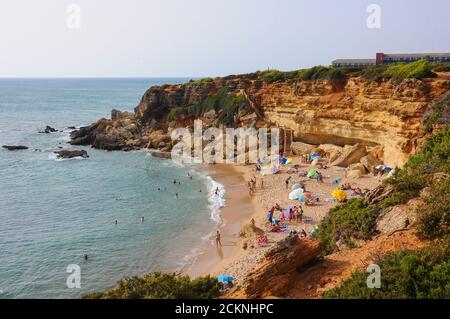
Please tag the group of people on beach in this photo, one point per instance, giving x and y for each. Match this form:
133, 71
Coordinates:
291, 214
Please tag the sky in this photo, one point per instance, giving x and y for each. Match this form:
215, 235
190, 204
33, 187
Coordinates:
196, 38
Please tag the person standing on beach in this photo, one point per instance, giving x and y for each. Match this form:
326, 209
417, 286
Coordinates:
218, 242
287, 181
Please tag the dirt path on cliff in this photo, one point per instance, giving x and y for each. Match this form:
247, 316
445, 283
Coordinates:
313, 281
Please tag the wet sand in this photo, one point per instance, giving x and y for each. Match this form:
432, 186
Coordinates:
238, 210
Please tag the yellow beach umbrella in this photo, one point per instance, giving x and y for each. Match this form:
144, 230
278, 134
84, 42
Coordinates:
339, 194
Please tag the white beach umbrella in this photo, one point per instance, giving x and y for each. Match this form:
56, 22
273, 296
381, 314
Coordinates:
294, 194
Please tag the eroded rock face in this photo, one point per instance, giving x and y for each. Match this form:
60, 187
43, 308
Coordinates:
398, 217
272, 276
108, 135
345, 112
357, 111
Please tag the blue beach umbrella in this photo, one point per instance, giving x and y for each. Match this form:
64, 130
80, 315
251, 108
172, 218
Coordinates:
225, 278
302, 198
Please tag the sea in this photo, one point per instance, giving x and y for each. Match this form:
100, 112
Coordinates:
53, 212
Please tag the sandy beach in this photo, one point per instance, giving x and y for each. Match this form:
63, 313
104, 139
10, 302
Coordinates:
240, 208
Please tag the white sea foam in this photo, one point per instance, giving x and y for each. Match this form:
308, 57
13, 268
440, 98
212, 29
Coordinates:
54, 157
217, 201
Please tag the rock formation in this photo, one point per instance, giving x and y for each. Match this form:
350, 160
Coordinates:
15, 147
385, 116
72, 154
272, 277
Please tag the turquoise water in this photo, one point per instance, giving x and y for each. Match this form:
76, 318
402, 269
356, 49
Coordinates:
52, 211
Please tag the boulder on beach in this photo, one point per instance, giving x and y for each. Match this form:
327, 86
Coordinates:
299, 148
370, 162
357, 167
350, 155
250, 231
15, 147
72, 154
275, 274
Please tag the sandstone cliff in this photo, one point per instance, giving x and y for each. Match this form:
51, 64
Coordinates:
339, 112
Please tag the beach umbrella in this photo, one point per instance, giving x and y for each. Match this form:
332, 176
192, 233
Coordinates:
302, 198
339, 194
295, 186
312, 173
225, 278
294, 194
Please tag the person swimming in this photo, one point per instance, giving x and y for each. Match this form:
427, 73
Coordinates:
86, 257
142, 219
115, 222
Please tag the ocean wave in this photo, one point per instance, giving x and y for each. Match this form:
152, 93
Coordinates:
54, 157
216, 200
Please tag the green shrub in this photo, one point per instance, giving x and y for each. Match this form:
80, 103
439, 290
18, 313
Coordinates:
176, 112
231, 105
434, 214
161, 286
417, 70
422, 273
272, 76
438, 112
351, 220
444, 67
202, 81
224, 102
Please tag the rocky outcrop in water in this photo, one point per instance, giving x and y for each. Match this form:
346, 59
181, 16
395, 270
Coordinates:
49, 129
65, 154
15, 147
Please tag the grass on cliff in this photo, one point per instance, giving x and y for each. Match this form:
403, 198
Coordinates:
315, 73
408, 274
226, 104
356, 220
395, 71
399, 71
161, 286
